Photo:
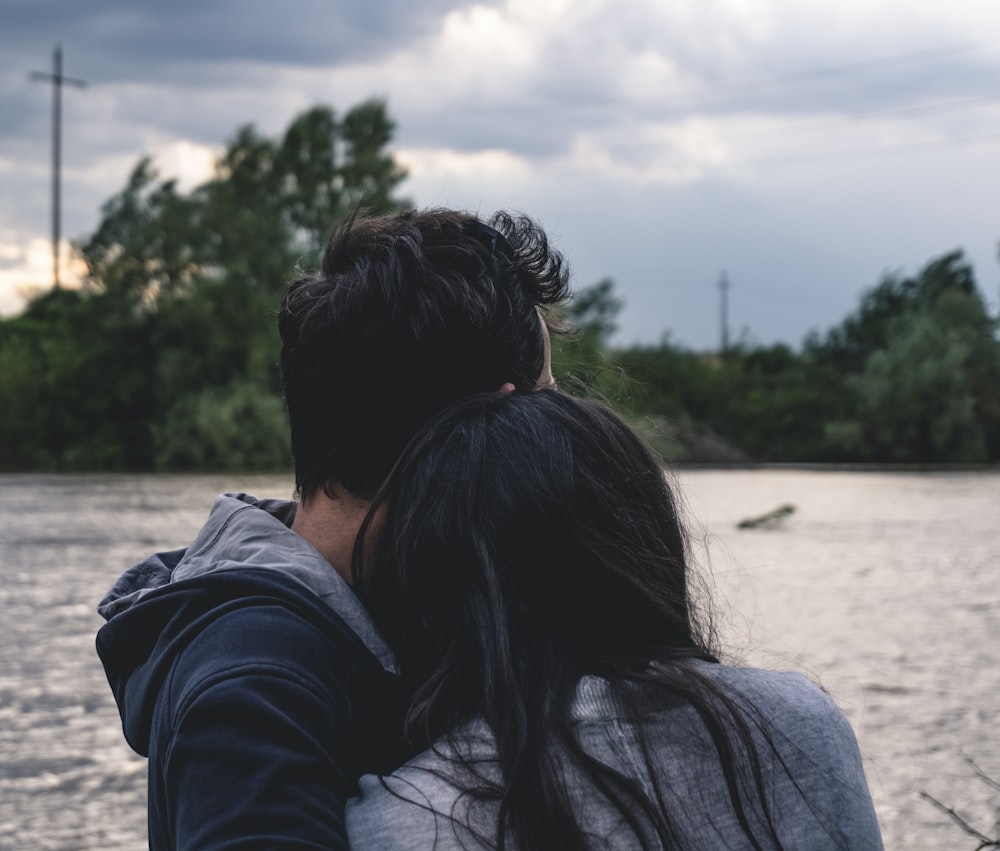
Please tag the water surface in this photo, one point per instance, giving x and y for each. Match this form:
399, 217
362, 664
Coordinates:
881, 586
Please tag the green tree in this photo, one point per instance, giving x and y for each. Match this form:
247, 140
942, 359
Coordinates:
173, 338
581, 361
79, 377
933, 393
774, 403
210, 430
849, 344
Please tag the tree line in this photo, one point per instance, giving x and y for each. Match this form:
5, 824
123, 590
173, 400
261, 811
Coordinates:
912, 376
166, 358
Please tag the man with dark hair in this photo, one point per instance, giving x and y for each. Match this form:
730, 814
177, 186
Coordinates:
244, 666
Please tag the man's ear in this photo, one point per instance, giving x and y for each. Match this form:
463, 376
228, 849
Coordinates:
506, 388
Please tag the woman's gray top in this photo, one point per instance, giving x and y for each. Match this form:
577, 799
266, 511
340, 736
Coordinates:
813, 775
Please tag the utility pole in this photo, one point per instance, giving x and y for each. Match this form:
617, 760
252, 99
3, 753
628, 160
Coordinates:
58, 80
724, 310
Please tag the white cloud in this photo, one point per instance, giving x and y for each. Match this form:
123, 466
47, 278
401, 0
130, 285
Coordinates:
188, 163
445, 163
26, 268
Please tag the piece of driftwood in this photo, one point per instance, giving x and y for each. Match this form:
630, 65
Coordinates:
772, 518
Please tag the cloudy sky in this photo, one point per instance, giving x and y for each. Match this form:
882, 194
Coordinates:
804, 147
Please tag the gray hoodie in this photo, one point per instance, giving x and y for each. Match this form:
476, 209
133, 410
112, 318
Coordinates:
813, 775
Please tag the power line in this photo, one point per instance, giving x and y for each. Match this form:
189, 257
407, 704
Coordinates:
864, 65
698, 95
58, 81
912, 147
830, 121
695, 95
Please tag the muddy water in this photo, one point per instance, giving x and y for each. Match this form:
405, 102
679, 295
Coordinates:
885, 587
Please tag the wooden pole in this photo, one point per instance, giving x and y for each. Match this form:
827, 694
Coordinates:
58, 81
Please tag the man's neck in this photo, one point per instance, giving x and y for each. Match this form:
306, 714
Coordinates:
330, 525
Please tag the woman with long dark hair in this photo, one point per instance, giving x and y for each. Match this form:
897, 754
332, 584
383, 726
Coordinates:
526, 561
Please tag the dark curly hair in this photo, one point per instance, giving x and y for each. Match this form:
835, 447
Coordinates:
409, 312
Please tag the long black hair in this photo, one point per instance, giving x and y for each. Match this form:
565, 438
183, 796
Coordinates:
523, 542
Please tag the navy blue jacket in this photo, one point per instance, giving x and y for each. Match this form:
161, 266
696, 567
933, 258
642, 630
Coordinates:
257, 704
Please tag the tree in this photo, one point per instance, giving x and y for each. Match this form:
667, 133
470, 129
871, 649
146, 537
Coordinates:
579, 357
865, 331
928, 391
931, 395
774, 403
172, 340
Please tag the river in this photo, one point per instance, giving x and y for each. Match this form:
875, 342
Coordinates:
882, 586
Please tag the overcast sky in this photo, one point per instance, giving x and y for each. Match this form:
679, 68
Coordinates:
804, 147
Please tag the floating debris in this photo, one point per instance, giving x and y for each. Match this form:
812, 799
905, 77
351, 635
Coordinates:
766, 521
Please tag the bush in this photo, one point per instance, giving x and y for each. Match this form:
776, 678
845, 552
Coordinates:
236, 427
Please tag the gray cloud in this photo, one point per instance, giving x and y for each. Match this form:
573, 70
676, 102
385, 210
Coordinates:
775, 94
130, 42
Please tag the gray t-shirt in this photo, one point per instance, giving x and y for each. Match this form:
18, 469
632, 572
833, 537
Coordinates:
813, 775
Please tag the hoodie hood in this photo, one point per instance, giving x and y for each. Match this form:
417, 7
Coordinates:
245, 555
243, 533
